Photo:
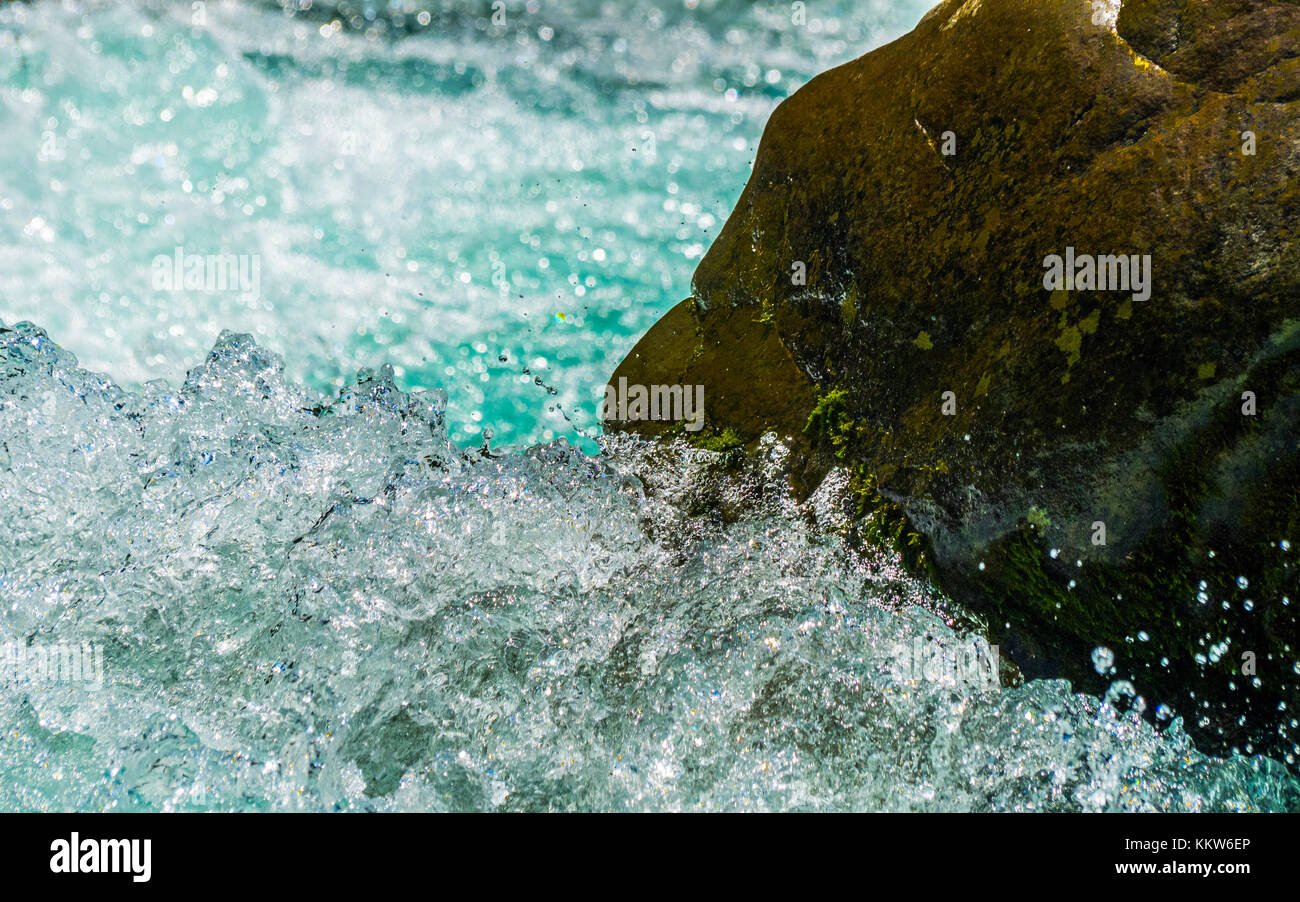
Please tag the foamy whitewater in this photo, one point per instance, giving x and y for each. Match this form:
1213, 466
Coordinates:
288, 586
310, 603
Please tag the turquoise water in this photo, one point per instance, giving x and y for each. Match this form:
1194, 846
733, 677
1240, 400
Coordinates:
499, 210
304, 587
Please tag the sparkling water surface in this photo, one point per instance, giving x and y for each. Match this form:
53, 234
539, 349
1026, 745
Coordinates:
310, 588
496, 209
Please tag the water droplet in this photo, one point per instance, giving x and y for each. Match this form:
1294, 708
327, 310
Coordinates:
1242, 582
1119, 691
1103, 659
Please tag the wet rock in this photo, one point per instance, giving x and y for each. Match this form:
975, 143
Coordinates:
1084, 467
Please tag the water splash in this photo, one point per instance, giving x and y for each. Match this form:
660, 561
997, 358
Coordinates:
310, 602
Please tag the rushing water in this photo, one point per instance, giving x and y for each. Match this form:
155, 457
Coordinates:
312, 603
298, 586
499, 210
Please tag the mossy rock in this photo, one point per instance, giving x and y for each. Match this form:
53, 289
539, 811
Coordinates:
1172, 131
